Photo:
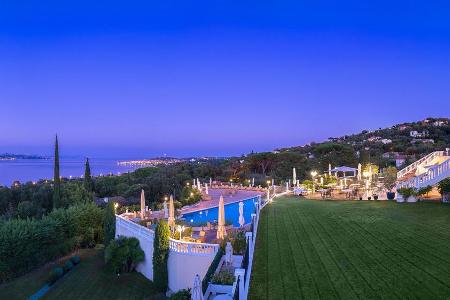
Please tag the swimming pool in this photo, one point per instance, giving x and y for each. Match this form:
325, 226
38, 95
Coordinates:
231, 213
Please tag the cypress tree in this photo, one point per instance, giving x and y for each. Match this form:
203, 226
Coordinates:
110, 223
88, 184
56, 178
161, 255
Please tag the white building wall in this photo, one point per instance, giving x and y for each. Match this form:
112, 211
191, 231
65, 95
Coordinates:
145, 237
183, 268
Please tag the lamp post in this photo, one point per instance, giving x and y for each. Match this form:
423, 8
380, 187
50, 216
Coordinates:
180, 229
313, 174
268, 184
366, 175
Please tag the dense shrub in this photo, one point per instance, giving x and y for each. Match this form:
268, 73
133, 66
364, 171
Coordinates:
161, 255
68, 266
444, 187
75, 259
55, 274
26, 244
123, 254
424, 191
238, 242
181, 295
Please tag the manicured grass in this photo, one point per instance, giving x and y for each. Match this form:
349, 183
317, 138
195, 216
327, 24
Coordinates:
310, 249
28, 284
93, 281
89, 280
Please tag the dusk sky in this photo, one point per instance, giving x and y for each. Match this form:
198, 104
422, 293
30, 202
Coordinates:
186, 78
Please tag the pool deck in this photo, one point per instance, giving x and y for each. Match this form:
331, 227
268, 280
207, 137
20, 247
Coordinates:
228, 198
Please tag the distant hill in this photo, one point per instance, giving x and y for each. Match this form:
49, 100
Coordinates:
396, 145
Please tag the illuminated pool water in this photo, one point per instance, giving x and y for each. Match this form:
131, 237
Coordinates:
231, 213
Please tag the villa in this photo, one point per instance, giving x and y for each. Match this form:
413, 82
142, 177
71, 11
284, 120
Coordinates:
194, 254
230, 210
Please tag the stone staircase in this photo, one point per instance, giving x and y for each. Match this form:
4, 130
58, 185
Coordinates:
429, 170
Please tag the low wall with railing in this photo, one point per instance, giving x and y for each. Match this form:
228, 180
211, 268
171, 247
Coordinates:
186, 259
424, 160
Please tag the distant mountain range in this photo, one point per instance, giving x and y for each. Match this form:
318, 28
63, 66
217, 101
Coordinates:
11, 156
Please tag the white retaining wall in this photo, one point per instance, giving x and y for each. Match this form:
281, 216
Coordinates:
185, 259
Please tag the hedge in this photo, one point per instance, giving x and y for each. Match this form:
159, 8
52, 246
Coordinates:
27, 244
212, 268
55, 274
161, 256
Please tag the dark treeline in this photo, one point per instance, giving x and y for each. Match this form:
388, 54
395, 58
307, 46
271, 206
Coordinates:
29, 243
37, 199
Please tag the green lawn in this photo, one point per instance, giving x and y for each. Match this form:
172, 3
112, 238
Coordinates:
352, 249
89, 280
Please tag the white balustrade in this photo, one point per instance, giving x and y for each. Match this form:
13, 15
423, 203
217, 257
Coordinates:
174, 245
193, 248
426, 159
431, 177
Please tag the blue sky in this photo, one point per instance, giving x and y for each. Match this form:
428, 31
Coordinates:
215, 77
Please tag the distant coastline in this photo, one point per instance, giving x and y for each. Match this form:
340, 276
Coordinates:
11, 156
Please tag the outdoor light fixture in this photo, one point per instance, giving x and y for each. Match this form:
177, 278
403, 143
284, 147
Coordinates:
313, 174
180, 229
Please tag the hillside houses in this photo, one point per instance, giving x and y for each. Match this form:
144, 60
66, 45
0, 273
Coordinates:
417, 134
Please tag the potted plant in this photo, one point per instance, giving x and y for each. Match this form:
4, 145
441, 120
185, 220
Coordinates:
390, 179
222, 282
444, 190
408, 195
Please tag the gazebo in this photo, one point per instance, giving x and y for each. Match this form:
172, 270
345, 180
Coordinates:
343, 171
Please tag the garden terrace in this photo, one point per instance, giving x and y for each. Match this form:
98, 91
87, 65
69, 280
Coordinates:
308, 249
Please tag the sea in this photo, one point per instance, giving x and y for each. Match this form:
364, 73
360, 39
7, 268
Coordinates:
25, 170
